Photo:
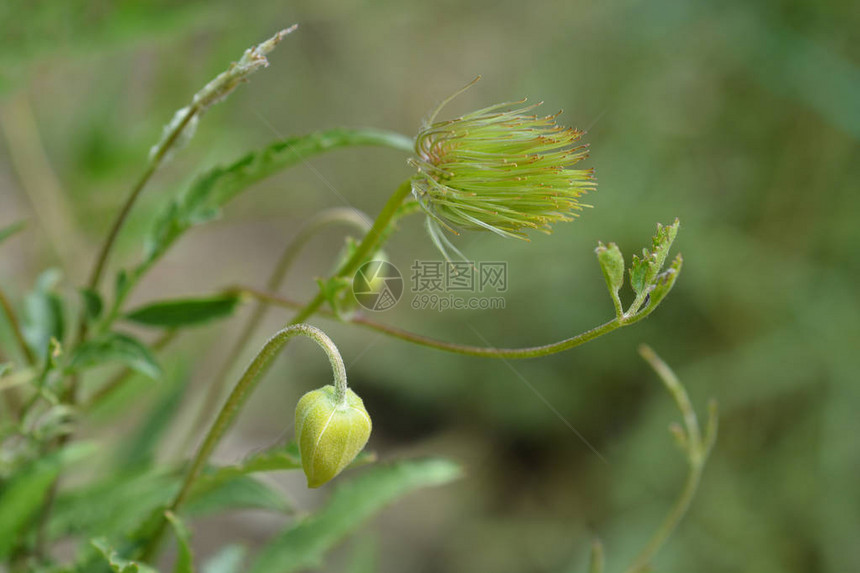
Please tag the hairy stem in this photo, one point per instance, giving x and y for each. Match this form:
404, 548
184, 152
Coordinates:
323, 220
464, 349
371, 242
240, 394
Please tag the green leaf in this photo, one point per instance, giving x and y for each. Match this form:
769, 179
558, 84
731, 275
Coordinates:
664, 282
138, 449
277, 459
644, 270
10, 230
639, 268
21, 499
23, 495
45, 315
93, 304
114, 503
612, 263
203, 201
229, 559
280, 458
303, 544
116, 347
238, 492
185, 311
117, 563
185, 559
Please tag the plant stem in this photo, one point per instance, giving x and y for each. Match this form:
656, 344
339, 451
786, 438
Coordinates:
679, 509
346, 215
368, 246
464, 349
240, 394
372, 241
16, 329
118, 223
697, 450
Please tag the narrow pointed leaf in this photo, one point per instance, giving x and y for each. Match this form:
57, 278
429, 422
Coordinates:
303, 544
185, 312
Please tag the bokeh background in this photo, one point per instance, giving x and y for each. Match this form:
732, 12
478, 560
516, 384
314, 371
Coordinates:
740, 118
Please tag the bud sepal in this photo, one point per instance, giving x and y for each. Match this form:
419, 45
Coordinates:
331, 430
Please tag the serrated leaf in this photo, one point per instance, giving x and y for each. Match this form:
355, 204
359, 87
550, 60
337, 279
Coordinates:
116, 347
203, 201
185, 559
185, 311
639, 268
662, 242
10, 230
612, 264
644, 270
664, 282
303, 544
229, 559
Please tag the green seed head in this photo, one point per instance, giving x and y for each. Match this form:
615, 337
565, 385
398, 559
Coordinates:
330, 432
499, 169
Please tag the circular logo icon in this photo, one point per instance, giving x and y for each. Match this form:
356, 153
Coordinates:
378, 285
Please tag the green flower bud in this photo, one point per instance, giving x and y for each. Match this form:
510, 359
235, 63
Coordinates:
499, 169
330, 432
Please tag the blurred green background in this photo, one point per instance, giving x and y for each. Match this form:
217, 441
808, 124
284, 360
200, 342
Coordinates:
740, 118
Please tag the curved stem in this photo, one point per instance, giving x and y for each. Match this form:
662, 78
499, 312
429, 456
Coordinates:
697, 448
679, 509
372, 241
324, 219
464, 349
240, 394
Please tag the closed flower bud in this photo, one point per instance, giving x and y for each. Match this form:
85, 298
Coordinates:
330, 432
499, 169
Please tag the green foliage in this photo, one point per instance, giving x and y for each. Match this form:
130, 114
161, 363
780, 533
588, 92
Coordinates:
185, 312
22, 496
644, 270
117, 563
235, 492
93, 304
139, 487
303, 545
116, 347
202, 202
185, 560
45, 318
